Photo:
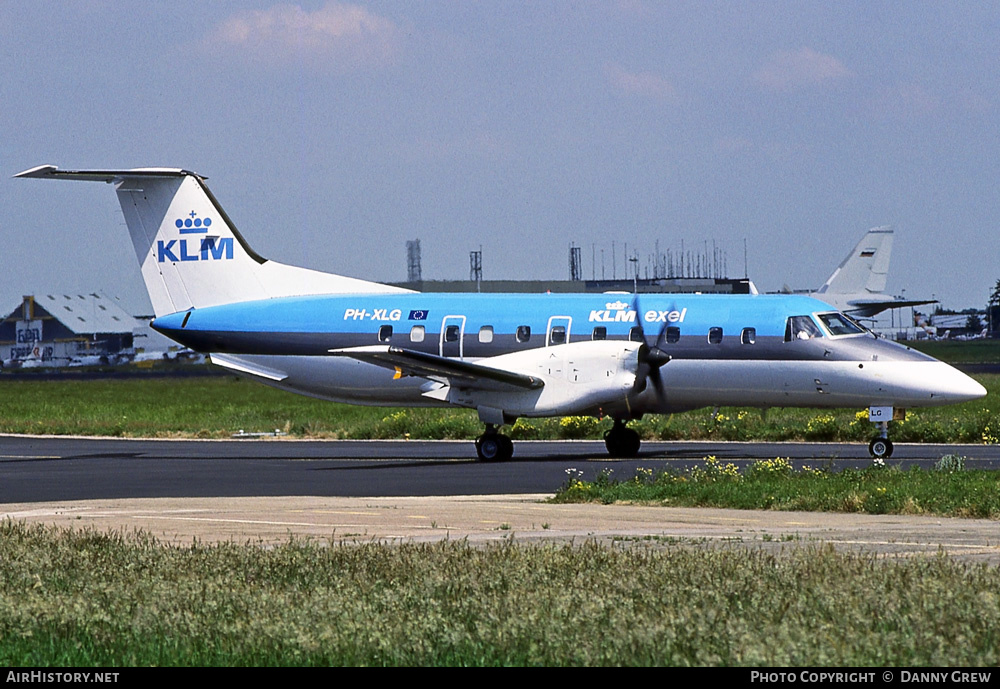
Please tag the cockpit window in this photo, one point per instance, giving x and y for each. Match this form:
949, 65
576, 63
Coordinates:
801, 328
839, 324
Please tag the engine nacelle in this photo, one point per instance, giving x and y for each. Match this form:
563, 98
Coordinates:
579, 378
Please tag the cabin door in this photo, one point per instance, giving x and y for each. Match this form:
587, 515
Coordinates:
452, 336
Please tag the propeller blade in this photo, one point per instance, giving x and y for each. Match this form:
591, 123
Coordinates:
638, 315
650, 358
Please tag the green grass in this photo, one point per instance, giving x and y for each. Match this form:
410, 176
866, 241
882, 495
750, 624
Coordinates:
949, 490
91, 599
959, 351
216, 407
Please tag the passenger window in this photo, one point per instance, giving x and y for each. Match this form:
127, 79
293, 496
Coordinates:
600, 333
557, 335
417, 333
714, 335
523, 333
451, 333
673, 334
384, 333
801, 328
748, 336
635, 334
486, 334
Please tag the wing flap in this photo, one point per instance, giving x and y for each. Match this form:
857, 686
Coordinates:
454, 372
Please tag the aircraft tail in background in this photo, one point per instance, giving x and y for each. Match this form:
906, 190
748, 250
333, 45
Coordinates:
857, 286
866, 268
190, 252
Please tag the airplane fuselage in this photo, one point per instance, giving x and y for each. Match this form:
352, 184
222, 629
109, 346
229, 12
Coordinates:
724, 349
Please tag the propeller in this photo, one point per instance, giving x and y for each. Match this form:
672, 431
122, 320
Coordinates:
650, 358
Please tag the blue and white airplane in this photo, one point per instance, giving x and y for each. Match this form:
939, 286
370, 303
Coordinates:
504, 355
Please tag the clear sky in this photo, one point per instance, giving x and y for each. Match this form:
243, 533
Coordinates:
332, 133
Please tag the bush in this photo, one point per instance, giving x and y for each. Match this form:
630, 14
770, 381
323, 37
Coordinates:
575, 427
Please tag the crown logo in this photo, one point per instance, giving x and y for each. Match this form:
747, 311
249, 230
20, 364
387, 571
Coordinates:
193, 224
616, 305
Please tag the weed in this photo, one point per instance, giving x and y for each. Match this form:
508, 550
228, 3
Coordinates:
950, 463
76, 598
950, 489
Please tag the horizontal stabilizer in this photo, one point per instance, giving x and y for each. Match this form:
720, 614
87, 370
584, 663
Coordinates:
53, 172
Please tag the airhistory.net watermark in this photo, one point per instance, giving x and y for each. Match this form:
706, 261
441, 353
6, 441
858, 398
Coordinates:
61, 677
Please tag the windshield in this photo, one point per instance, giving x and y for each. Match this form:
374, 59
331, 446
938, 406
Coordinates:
839, 324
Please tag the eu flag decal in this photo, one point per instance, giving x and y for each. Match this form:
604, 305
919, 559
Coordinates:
419, 315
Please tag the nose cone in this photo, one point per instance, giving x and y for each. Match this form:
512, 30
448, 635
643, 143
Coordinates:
930, 384
954, 386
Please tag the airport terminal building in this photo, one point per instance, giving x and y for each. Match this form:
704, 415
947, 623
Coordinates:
66, 329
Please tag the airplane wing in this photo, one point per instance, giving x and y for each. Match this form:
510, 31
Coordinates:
870, 309
455, 372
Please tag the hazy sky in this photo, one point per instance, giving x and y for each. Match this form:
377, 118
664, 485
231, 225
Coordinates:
333, 132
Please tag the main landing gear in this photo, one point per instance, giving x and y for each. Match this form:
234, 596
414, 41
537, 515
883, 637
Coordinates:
494, 447
621, 441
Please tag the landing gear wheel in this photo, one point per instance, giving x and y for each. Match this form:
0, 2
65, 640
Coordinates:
506, 446
494, 447
880, 448
621, 441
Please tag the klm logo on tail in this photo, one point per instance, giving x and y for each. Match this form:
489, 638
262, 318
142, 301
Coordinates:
203, 249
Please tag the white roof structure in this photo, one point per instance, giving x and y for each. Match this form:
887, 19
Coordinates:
88, 313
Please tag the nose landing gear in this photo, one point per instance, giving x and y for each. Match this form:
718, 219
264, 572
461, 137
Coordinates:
880, 448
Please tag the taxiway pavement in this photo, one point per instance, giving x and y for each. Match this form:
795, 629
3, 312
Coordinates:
270, 491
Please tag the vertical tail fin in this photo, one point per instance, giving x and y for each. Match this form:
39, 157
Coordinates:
190, 253
866, 268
